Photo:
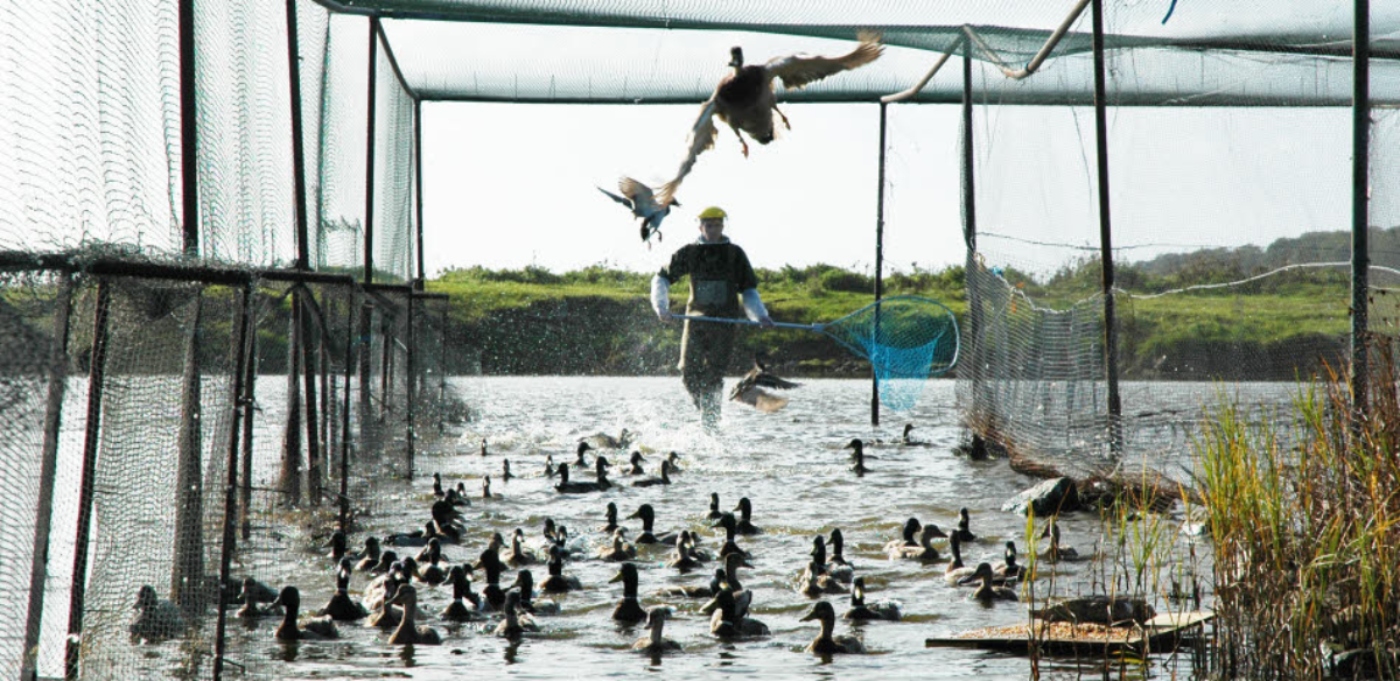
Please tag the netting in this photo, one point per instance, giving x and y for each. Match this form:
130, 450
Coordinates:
907, 340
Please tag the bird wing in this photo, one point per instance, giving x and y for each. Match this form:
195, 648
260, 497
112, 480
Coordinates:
615, 197
640, 194
798, 70
768, 380
702, 137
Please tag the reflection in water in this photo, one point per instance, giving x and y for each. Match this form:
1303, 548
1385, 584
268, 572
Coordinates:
406, 654
510, 651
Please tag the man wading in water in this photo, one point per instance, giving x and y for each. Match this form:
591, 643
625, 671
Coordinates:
720, 276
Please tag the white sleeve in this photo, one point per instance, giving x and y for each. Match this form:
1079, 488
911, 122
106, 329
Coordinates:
753, 305
660, 294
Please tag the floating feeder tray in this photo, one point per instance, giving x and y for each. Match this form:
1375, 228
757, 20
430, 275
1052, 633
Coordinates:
1161, 633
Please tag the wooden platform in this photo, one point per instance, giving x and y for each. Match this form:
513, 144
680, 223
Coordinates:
1161, 633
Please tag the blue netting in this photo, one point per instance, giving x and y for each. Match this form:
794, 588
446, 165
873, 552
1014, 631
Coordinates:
906, 339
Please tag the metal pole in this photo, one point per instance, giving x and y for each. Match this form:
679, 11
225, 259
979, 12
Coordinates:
189, 131
289, 477
298, 144
91, 442
245, 498
970, 276
1360, 182
187, 561
238, 348
369, 150
314, 468
1110, 323
418, 184
345, 414
412, 379
879, 265
48, 470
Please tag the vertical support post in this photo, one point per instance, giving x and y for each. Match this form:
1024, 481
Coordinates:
298, 143
187, 563
411, 375
345, 414
97, 366
189, 131
245, 495
315, 471
239, 350
1360, 183
369, 441
442, 374
879, 265
1110, 323
969, 214
418, 185
369, 150
48, 470
289, 477
386, 365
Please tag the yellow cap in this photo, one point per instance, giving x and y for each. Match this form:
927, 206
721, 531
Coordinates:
713, 212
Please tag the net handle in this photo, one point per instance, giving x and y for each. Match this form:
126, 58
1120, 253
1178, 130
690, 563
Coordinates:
819, 328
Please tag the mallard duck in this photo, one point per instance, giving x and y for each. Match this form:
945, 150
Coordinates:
382, 588
638, 198
837, 571
861, 611
408, 631
1010, 569
681, 558
648, 517
1107, 610
924, 552
825, 643
567, 486
557, 582
1056, 552
505, 470
664, 479
459, 609
908, 537
486, 488
549, 471
445, 522
605, 441
610, 516
457, 496
580, 461
518, 554
156, 619
568, 548
907, 440
750, 388
635, 461
987, 591
675, 459
525, 584
619, 550
837, 566
654, 643
730, 525
433, 572
369, 558
628, 610
732, 563
697, 590
746, 101
483, 447
340, 607
385, 564
251, 593
437, 486
963, 533
956, 570
492, 595
858, 456
814, 582
728, 612
714, 513
745, 525
512, 627
338, 546
310, 630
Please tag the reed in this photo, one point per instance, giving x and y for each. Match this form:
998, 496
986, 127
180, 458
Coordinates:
1305, 523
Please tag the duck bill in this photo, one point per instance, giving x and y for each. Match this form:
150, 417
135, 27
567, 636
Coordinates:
616, 578
970, 579
809, 616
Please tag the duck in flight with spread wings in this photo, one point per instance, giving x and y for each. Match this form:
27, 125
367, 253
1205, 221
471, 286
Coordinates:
750, 388
745, 99
639, 199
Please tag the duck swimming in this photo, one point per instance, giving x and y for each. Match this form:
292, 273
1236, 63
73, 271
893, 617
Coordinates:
838, 571
956, 571
432, 573
924, 552
837, 566
745, 99
636, 463
486, 488
728, 612
648, 518
337, 545
493, 597
465, 604
860, 611
638, 198
505, 470
525, 584
750, 389
512, 627
252, 593
814, 582
408, 631
437, 486
610, 516
620, 550
605, 441
1056, 552
698, 590
654, 643
730, 525
580, 461
340, 607
858, 455
557, 582
745, 525
385, 564
714, 513
825, 643
567, 486
549, 465
964, 534
681, 558
987, 591
664, 479
909, 536
518, 554
1010, 569
310, 630
156, 619
628, 610
369, 558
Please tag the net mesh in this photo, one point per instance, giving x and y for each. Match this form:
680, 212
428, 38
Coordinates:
907, 339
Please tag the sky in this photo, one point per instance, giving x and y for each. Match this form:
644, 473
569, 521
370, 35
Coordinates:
513, 185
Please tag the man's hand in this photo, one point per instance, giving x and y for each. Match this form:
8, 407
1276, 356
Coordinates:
765, 321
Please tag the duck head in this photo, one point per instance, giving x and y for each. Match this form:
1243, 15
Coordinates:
525, 581
627, 574
837, 542
289, 597
821, 611
647, 515
579, 460
819, 550
911, 529
745, 508
736, 57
